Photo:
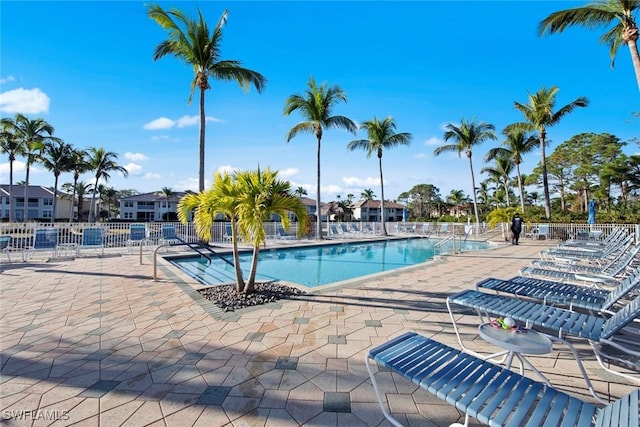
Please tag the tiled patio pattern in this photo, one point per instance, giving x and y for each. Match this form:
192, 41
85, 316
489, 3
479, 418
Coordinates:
95, 341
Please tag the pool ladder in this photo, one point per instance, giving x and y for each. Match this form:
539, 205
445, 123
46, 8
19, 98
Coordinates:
195, 246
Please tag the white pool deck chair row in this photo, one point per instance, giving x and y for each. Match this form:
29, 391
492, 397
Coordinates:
489, 393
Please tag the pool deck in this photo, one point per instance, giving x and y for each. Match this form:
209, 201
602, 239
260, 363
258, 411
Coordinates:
95, 341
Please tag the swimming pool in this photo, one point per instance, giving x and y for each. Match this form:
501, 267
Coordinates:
314, 266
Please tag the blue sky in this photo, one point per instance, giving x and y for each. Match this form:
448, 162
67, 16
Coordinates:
87, 68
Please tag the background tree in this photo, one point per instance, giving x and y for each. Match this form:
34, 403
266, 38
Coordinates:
190, 41
32, 135
466, 136
539, 115
102, 163
602, 13
56, 158
166, 192
316, 107
367, 194
78, 190
78, 165
12, 146
300, 191
500, 172
516, 144
381, 135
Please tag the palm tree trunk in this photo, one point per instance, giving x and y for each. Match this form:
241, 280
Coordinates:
12, 214
505, 183
92, 209
545, 178
236, 257
384, 228
635, 58
475, 197
202, 129
54, 212
250, 287
25, 207
318, 222
73, 199
520, 188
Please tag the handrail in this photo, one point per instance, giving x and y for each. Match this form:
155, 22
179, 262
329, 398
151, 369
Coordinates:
191, 246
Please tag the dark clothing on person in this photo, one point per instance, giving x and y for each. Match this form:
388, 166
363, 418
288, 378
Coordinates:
516, 229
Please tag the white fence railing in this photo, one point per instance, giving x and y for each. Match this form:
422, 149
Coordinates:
117, 234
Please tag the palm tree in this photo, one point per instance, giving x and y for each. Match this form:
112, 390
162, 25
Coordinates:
262, 194
78, 166
367, 194
539, 116
381, 135
166, 192
300, 191
315, 107
516, 144
10, 145
465, 137
602, 13
500, 171
56, 157
191, 41
102, 163
79, 190
32, 135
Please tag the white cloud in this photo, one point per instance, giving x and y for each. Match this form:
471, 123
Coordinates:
26, 101
152, 175
228, 169
135, 157
433, 141
188, 184
159, 137
352, 181
288, 172
133, 169
158, 124
7, 79
18, 166
185, 121
420, 156
329, 191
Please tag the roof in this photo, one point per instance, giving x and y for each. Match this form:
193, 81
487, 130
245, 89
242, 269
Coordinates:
32, 191
154, 197
376, 204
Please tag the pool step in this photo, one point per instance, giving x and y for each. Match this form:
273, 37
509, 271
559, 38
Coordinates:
216, 272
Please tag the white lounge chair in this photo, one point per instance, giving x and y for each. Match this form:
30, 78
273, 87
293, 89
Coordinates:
92, 238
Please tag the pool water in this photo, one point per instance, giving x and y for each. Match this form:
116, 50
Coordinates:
321, 265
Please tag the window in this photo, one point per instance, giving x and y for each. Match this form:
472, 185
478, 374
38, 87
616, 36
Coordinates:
46, 214
128, 203
47, 202
128, 215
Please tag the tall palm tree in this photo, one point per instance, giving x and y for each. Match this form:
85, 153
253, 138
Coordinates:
539, 116
515, 145
190, 41
10, 145
381, 135
602, 13
102, 163
500, 171
367, 194
262, 194
56, 157
78, 166
166, 192
32, 135
316, 106
466, 136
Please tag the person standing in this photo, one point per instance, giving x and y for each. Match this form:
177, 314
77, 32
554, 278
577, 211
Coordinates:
516, 228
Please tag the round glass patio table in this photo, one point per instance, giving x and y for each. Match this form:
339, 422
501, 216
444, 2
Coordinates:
516, 343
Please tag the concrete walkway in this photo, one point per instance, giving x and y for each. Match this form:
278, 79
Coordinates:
95, 341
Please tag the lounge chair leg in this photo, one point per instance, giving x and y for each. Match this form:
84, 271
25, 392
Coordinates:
386, 413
